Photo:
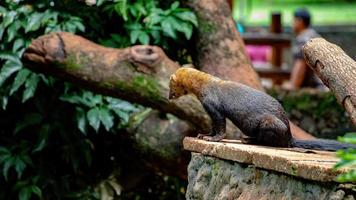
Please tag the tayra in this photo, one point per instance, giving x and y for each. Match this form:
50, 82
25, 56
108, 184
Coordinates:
259, 116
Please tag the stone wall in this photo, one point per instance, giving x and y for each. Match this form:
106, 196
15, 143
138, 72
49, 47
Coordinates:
218, 179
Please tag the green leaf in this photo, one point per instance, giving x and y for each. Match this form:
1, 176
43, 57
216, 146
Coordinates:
168, 28
12, 30
156, 36
121, 9
49, 16
34, 22
86, 98
106, 118
140, 8
144, 38
9, 18
20, 79
93, 118
39, 146
348, 138
92, 99
29, 119
134, 12
30, 87
5, 157
2, 30
120, 105
36, 190
27, 160
25, 193
4, 150
100, 2
4, 101
134, 26
79, 25
81, 120
347, 177
20, 166
7, 164
19, 43
187, 29
2, 9
187, 16
73, 98
134, 36
124, 116
42, 139
154, 19
7, 69
10, 57
175, 5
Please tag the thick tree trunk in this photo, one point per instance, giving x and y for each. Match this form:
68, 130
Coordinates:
219, 48
220, 51
336, 69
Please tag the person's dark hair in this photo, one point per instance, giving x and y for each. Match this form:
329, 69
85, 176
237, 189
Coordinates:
304, 15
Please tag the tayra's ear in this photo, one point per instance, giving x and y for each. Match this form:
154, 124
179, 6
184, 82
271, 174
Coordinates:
173, 78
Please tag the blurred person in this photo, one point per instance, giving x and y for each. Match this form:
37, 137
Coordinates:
302, 75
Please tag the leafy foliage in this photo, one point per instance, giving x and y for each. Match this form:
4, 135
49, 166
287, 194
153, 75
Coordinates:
146, 23
347, 159
55, 136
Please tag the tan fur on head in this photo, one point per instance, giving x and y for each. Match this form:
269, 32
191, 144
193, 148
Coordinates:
188, 80
176, 90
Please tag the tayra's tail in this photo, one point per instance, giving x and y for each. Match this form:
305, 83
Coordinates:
322, 144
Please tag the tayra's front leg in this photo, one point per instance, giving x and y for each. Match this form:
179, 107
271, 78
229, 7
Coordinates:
218, 131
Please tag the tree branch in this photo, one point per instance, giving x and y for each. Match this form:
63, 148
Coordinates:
336, 69
138, 74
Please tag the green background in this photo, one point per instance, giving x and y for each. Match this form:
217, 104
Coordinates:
324, 12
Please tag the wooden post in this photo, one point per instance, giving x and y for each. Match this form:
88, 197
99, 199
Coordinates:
336, 69
276, 27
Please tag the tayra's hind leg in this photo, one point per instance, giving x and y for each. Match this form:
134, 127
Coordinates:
273, 132
247, 140
218, 131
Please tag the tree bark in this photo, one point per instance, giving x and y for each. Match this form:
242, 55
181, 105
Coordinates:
220, 51
336, 69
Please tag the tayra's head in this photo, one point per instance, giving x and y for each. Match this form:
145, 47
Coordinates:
188, 80
176, 88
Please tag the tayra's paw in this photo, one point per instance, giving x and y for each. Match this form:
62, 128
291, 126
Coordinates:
215, 138
201, 136
247, 140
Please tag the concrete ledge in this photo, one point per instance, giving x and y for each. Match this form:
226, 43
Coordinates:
313, 165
